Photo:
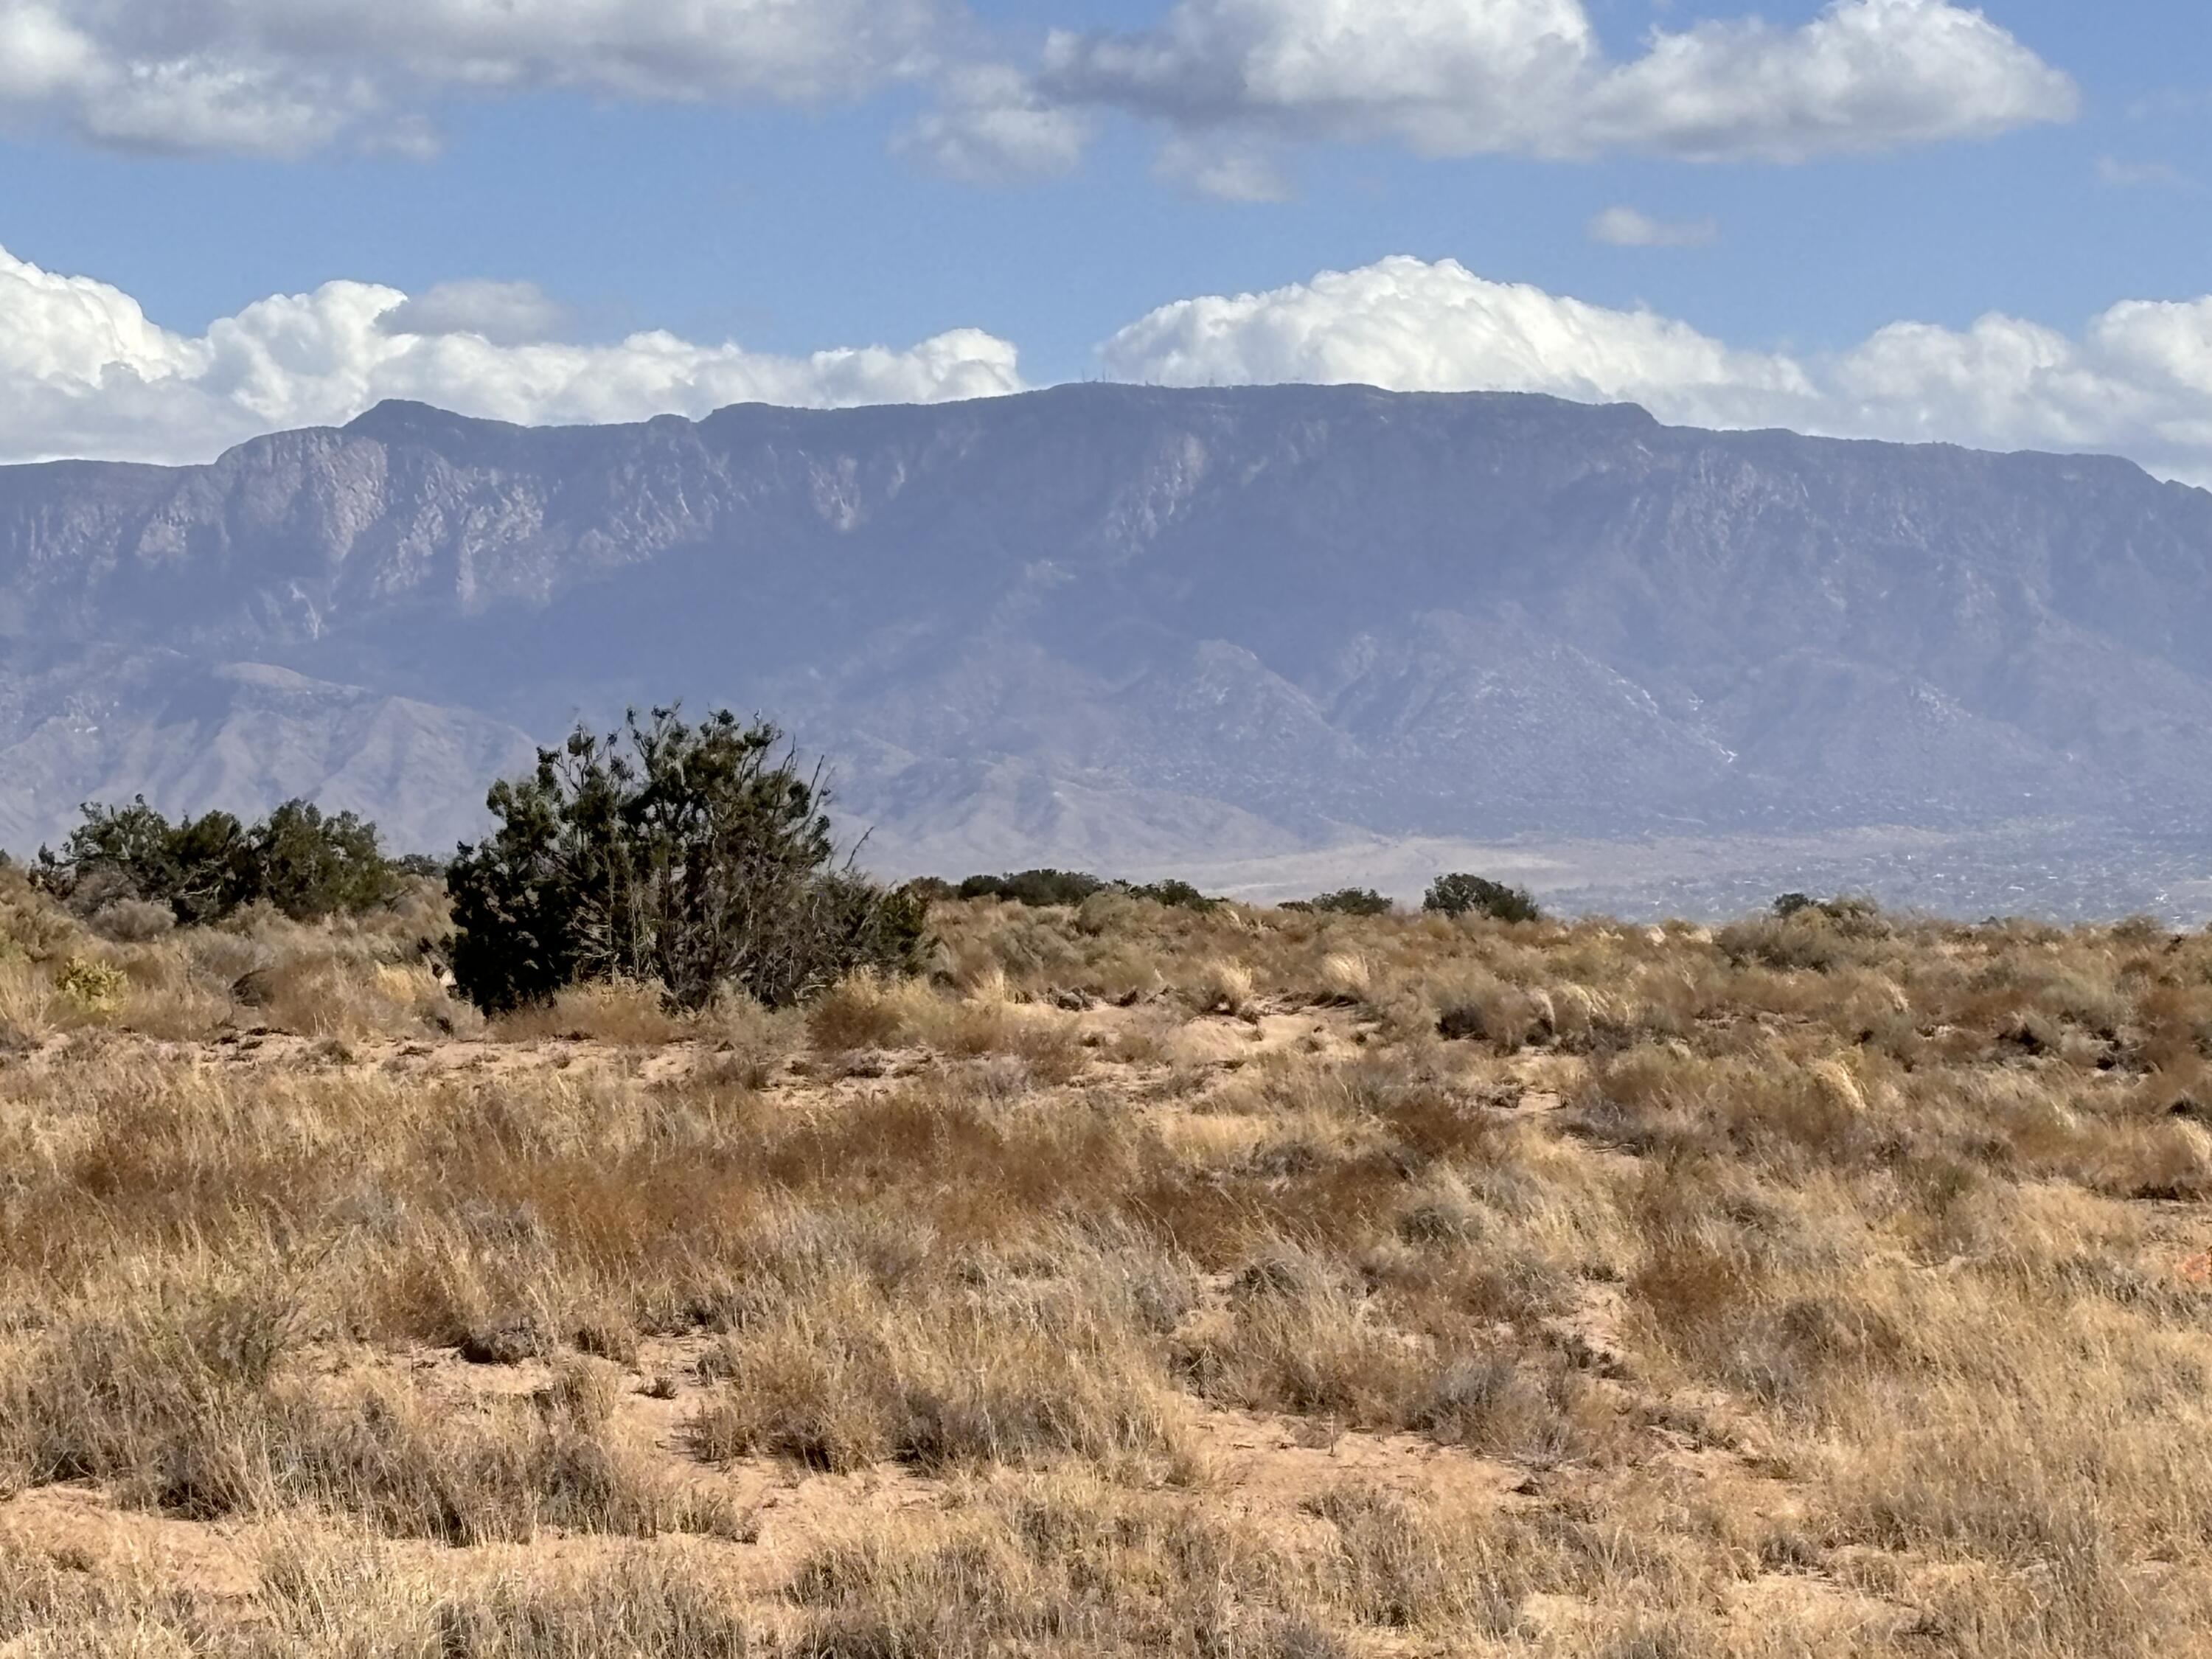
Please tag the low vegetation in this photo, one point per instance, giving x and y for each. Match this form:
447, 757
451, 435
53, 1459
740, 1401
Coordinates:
696, 858
1032, 887
1043, 888
1352, 902
125, 863
1133, 1279
1477, 895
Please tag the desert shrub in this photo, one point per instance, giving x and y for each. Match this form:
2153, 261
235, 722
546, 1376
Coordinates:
1352, 901
302, 862
1176, 895
1042, 889
1802, 940
1035, 888
197, 866
31, 924
1821, 935
308, 865
1863, 914
132, 921
696, 858
860, 1013
98, 988
1463, 895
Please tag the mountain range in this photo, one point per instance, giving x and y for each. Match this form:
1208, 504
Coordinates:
1136, 629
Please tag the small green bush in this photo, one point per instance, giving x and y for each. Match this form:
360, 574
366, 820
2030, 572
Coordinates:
98, 988
1176, 895
305, 863
696, 858
1036, 888
1352, 901
1465, 895
308, 865
1042, 888
1858, 915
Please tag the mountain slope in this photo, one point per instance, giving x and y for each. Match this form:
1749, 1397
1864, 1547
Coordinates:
1123, 626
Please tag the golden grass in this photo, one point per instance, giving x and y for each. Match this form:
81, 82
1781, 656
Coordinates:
1249, 1283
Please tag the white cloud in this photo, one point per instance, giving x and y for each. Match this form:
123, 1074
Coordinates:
1624, 227
1865, 75
2170, 104
506, 313
41, 54
2127, 175
2138, 381
1343, 67
1412, 327
992, 126
282, 76
1457, 77
83, 371
1226, 168
208, 105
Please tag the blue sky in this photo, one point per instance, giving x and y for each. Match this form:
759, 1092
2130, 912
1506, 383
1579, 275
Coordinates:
719, 214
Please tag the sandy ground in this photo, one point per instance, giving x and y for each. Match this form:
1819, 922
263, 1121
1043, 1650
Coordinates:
1259, 1468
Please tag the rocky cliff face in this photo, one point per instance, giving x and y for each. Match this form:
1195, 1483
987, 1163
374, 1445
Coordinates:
1120, 626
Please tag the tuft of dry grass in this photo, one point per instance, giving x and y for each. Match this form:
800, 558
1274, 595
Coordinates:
997, 1361
618, 1012
1347, 977
1222, 986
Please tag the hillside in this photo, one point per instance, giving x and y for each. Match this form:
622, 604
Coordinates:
1128, 628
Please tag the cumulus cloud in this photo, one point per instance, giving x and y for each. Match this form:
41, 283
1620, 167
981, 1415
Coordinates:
1460, 78
84, 372
1409, 325
2138, 381
1624, 227
282, 76
505, 313
1865, 75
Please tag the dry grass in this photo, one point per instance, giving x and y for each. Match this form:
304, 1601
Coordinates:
621, 1012
1249, 1283
945, 1377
